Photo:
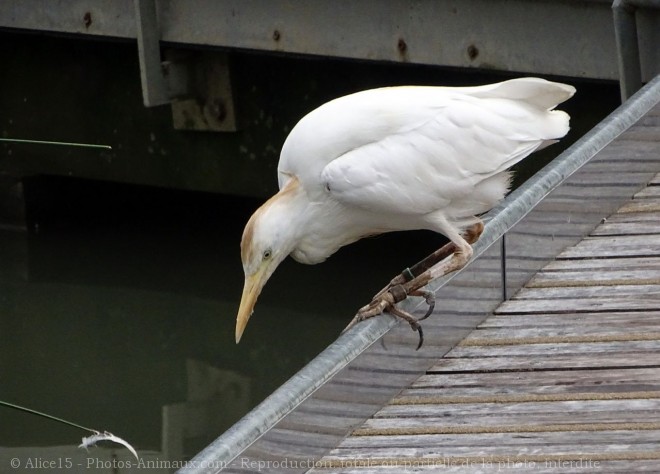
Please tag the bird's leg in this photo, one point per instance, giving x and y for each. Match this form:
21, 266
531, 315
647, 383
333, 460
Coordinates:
411, 280
387, 301
458, 259
388, 304
389, 297
471, 235
420, 267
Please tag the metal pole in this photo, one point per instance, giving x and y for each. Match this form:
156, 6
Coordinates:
627, 48
627, 43
154, 87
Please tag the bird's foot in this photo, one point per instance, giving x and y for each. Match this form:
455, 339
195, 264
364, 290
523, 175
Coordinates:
411, 281
410, 319
379, 304
385, 302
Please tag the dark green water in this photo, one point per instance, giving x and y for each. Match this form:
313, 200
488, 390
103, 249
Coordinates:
110, 309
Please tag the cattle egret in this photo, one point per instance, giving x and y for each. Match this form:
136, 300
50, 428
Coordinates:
397, 158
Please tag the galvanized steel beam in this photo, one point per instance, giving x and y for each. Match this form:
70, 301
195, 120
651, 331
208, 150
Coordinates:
552, 37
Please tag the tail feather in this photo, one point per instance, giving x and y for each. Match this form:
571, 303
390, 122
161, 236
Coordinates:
532, 90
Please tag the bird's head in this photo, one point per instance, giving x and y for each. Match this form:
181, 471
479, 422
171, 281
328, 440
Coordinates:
268, 238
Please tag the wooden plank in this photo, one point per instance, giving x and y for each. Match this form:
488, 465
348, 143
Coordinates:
566, 332
320, 405
600, 177
318, 415
648, 276
319, 423
548, 217
290, 444
578, 305
634, 217
650, 120
619, 246
541, 422
627, 228
648, 292
586, 191
569, 412
448, 466
537, 337
603, 265
543, 362
652, 192
365, 447
640, 205
535, 320
507, 398
358, 380
366, 390
580, 205
526, 235
555, 416
639, 155
646, 350
357, 393
467, 384
610, 163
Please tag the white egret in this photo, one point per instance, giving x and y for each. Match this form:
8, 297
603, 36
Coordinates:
397, 158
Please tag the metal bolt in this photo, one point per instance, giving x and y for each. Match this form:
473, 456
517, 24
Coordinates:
472, 52
87, 19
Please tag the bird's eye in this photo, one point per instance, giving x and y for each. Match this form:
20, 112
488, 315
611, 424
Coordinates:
267, 254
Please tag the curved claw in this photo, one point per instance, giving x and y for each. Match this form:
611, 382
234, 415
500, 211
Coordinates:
421, 337
386, 300
414, 323
429, 297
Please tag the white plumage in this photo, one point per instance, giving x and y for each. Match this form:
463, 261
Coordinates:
397, 158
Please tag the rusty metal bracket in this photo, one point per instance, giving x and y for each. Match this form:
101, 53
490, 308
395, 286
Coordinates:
204, 100
197, 85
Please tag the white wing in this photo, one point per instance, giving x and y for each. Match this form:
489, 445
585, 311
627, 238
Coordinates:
416, 149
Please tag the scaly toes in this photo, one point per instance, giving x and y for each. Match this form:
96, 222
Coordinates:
386, 301
377, 306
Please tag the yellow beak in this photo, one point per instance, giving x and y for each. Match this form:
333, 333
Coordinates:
251, 289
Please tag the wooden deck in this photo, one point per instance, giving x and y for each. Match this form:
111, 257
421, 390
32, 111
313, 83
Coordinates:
563, 377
